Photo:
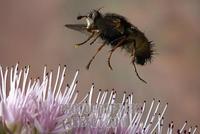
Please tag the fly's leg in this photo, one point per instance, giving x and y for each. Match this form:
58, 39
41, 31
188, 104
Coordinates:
134, 47
97, 36
120, 43
98, 50
133, 62
92, 35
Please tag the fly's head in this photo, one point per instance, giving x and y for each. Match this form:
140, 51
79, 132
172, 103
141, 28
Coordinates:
90, 17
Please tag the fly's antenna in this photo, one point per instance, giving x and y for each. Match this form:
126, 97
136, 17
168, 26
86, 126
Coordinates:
81, 16
138, 73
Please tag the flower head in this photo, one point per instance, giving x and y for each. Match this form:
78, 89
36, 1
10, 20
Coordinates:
39, 106
34, 105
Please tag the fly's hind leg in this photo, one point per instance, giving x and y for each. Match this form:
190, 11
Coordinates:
133, 62
120, 43
98, 50
133, 49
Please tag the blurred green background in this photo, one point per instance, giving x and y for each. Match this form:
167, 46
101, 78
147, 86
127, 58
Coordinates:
32, 32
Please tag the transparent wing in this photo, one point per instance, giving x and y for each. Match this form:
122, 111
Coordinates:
78, 27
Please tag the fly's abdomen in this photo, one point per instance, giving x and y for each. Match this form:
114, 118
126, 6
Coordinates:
143, 48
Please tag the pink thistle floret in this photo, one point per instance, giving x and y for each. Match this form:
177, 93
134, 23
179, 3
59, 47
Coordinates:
37, 106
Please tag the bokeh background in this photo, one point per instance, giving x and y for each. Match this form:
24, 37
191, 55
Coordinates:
32, 32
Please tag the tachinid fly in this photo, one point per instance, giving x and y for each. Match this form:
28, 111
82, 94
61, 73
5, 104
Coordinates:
117, 32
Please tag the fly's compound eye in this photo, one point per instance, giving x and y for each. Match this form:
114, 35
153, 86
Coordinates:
90, 15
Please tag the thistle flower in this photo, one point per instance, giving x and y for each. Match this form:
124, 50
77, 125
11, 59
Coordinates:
36, 106
32, 106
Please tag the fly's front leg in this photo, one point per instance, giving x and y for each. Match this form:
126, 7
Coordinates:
92, 35
97, 36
